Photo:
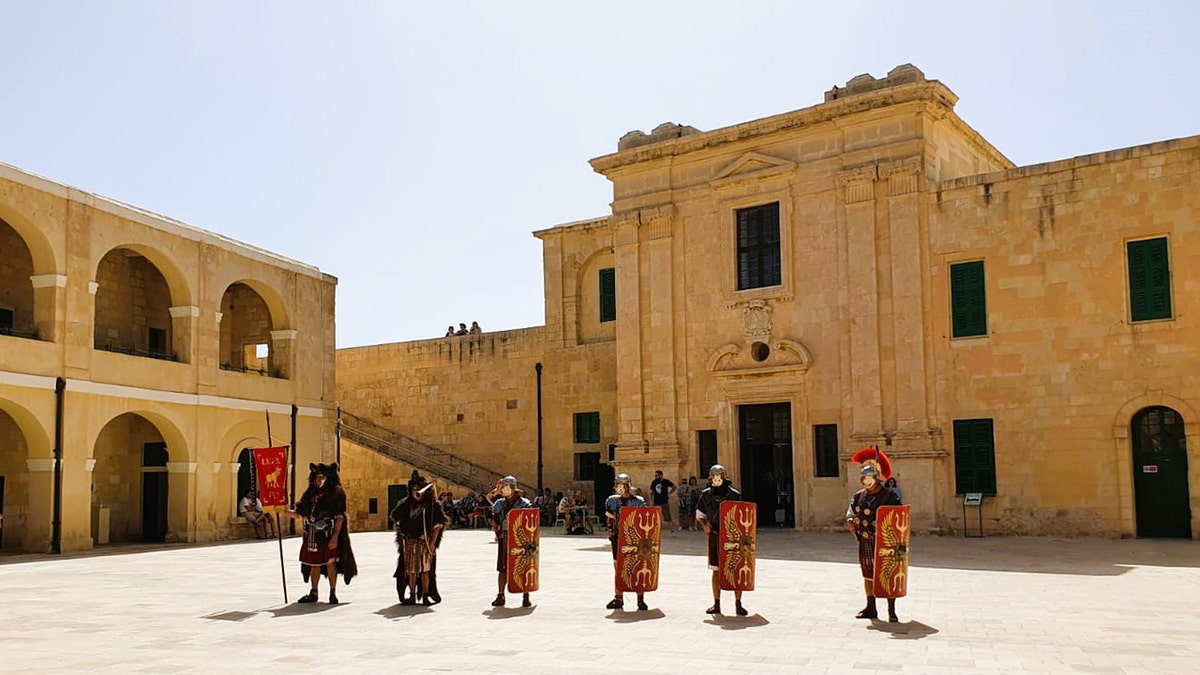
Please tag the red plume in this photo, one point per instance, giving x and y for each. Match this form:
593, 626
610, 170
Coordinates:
885, 464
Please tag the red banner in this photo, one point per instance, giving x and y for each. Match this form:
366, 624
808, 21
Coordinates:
271, 471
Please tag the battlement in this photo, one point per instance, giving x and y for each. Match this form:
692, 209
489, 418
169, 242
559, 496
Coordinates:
861, 84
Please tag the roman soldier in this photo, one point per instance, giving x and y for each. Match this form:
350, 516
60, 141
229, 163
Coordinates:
612, 515
420, 521
861, 519
509, 498
326, 546
708, 515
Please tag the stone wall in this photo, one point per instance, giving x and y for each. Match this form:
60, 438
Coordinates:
367, 474
16, 290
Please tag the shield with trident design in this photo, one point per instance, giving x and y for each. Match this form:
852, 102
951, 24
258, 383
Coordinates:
891, 551
736, 545
522, 536
639, 540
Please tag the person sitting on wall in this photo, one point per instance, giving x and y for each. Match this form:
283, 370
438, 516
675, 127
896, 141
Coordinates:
462, 329
475, 329
251, 509
449, 331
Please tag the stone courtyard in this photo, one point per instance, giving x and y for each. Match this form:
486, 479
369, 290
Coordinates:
975, 605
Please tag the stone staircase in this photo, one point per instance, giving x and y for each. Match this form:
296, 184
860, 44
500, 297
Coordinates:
425, 458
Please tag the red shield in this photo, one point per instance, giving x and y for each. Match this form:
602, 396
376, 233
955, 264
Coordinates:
271, 470
736, 545
891, 551
639, 540
522, 536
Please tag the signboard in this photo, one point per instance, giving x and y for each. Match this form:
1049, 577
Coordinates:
973, 499
1149, 468
271, 470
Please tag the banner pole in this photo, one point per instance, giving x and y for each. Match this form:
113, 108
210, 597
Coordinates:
282, 574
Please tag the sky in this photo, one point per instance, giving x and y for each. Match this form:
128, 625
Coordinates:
410, 149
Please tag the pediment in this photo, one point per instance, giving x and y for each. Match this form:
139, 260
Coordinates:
751, 166
783, 356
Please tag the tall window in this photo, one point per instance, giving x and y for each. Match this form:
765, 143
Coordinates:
608, 295
587, 427
825, 450
968, 300
758, 247
1149, 279
706, 448
6, 321
974, 457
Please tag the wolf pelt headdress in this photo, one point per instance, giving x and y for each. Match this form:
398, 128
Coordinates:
333, 501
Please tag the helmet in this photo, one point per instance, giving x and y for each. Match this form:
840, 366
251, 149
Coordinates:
622, 478
716, 469
509, 480
874, 463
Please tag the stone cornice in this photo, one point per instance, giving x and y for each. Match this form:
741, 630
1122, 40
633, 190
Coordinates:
932, 91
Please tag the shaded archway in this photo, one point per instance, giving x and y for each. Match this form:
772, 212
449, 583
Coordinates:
16, 285
133, 306
253, 331
1162, 501
25, 481
135, 494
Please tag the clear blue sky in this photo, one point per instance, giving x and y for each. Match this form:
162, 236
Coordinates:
410, 148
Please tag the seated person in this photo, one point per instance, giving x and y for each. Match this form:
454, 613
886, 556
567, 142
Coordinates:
251, 509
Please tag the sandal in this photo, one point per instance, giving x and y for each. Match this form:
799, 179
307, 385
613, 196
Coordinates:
311, 597
715, 609
499, 601
642, 606
741, 611
616, 603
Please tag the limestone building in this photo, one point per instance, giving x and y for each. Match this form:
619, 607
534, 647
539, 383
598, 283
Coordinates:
139, 358
867, 271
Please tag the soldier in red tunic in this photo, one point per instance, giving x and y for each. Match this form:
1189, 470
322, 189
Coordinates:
860, 520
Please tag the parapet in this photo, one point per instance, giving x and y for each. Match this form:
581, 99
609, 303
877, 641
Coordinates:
861, 84
662, 132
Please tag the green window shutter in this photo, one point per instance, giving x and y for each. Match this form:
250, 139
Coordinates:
974, 456
1149, 279
968, 299
608, 295
587, 427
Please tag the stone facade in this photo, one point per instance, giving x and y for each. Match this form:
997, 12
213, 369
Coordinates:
115, 374
878, 191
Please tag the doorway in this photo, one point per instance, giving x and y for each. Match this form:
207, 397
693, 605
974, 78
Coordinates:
154, 492
765, 434
1160, 474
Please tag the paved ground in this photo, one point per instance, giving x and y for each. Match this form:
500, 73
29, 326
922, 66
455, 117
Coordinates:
975, 605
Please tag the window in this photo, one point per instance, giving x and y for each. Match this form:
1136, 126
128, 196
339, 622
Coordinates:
758, 262
825, 450
608, 294
974, 457
585, 465
587, 427
154, 454
968, 300
1149, 279
6, 321
372, 505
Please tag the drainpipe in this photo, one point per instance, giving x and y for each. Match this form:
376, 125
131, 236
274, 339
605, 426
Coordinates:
60, 388
538, 367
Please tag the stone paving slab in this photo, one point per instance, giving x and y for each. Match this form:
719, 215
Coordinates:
996, 605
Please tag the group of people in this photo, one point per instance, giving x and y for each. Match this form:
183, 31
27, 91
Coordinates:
462, 329
421, 522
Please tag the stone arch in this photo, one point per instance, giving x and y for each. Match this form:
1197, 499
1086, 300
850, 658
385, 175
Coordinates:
242, 435
586, 292
1151, 399
254, 314
134, 295
26, 503
40, 249
141, 479
180, 289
